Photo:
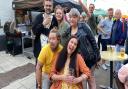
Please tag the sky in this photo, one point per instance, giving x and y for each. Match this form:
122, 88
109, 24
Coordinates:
105, 4
116, 4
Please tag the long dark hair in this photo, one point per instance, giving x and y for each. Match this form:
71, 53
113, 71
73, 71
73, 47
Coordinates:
62, 58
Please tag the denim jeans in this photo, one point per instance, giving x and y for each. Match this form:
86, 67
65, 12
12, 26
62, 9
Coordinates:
117, 64
126, 46
104, 43
45, 81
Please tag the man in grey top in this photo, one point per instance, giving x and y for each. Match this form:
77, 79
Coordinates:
105, 27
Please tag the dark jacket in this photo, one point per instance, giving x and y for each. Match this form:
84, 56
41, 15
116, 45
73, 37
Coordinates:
84, 30
119, 36
39, 29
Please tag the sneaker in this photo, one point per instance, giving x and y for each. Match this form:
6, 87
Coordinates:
104, 67
105, 87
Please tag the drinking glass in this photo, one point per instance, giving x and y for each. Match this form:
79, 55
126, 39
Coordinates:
122, 52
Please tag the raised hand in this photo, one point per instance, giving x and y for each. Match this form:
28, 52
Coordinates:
46, 21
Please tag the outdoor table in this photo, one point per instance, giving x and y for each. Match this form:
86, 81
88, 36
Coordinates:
112, 56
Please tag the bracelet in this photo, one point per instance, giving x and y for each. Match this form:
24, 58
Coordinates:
39, 86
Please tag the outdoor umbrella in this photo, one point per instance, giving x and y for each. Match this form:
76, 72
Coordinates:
68, 3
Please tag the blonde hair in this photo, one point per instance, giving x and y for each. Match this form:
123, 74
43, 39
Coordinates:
59, 7
55, 30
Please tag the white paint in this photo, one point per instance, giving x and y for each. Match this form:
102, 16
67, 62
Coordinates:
6, 11
116, 4
105, 4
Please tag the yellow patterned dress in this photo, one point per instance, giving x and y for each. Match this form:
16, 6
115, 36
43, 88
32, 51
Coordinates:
66, 85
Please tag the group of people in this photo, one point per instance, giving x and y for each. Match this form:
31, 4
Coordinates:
71, 52
113, 31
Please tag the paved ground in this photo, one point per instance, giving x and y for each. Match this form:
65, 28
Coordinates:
8, 63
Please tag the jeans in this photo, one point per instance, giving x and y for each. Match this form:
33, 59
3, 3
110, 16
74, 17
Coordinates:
117, 64
104, 43
126, 46
45, 81
99, 41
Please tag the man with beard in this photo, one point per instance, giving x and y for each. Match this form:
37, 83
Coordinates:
46, 57
91, 17
43, 23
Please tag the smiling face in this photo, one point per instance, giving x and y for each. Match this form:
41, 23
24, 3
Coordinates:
48, 7
59, 14
74, 16
118, 14
91, 8
110, 13
74, 20
72, 45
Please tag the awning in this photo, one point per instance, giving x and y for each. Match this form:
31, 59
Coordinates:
37, 4
27, 4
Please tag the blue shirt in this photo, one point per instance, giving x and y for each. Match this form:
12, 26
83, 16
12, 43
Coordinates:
107, 26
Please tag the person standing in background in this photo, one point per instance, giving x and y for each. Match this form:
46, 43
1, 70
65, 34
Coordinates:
126, 42
62, 24
83, 17
105, 27
118, 37
43, 23
91, 18
100, 19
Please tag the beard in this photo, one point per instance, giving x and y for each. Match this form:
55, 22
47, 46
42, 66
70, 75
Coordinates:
54, 47
48, 11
